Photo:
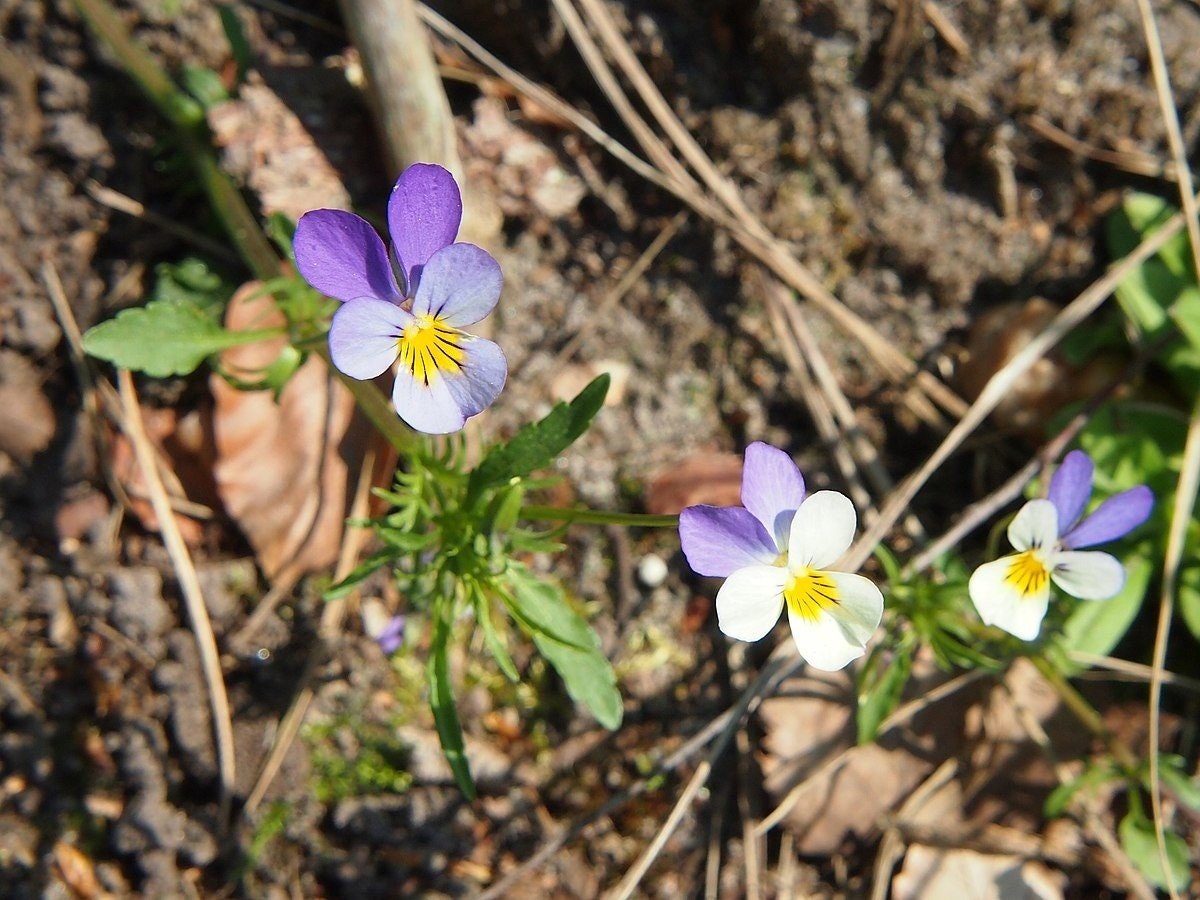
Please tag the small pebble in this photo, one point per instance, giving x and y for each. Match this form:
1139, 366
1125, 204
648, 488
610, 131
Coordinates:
652, 571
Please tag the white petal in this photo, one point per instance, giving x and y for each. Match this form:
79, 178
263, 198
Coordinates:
749, 602
1088, 574
1036, 525
821, 531
1000, 603
840, 633
860, 605
363, 334
430, 408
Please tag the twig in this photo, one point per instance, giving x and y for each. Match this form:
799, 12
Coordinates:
1189, 474
1137, 163
408, 98
189, 585
1140, 671
1000, 384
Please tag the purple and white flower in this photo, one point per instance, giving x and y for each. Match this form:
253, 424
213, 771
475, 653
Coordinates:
773, 552
1013, 592
445, 375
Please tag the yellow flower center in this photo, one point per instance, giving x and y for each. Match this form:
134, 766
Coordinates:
427, 347
1027, 573
810, 593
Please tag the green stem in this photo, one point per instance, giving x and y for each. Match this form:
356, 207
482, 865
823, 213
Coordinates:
1086, 714
188, 119
597, 517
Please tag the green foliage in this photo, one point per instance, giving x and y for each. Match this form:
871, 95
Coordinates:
177, 329
163, 339
204, 85
880, 687
1139, 842
378, 765
239, 45
453, 540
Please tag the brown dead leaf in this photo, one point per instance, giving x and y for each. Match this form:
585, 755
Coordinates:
714, 478
811, 721
968, 875
283, 470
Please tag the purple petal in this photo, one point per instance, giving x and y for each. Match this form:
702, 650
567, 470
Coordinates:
430, 407
460, 285
1070, 487
341, 255
424, 213
392, 636
772, 489
1114, 518
719, 540
363, 335
484, 371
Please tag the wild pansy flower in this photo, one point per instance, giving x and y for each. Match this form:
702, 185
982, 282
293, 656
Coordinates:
384, 629
773, 552
445, 375
1012, 593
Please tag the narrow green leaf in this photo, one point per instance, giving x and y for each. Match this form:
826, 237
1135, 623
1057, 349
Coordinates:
1093, 776
1096, 626
493, 639
1139, 842
881, 697
239, 46
441, 701
204, 85
1186, 313
1189, 599
163, 339
360, 573
588, 677
536, 445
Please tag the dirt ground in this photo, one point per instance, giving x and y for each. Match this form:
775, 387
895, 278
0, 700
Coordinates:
928, 161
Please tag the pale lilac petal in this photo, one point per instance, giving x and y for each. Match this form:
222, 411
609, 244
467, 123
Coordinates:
1035, 526
821, 531
772, 489
341, 255
839, 635
481, 378
749, 602
424, 212
1088, 574
392, 636
460, 285
719, 540
363, 335
1070, 487
430, 408
1114, 518
1000, 603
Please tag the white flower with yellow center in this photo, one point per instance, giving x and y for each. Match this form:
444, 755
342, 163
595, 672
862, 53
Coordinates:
1013, 592
774, 554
